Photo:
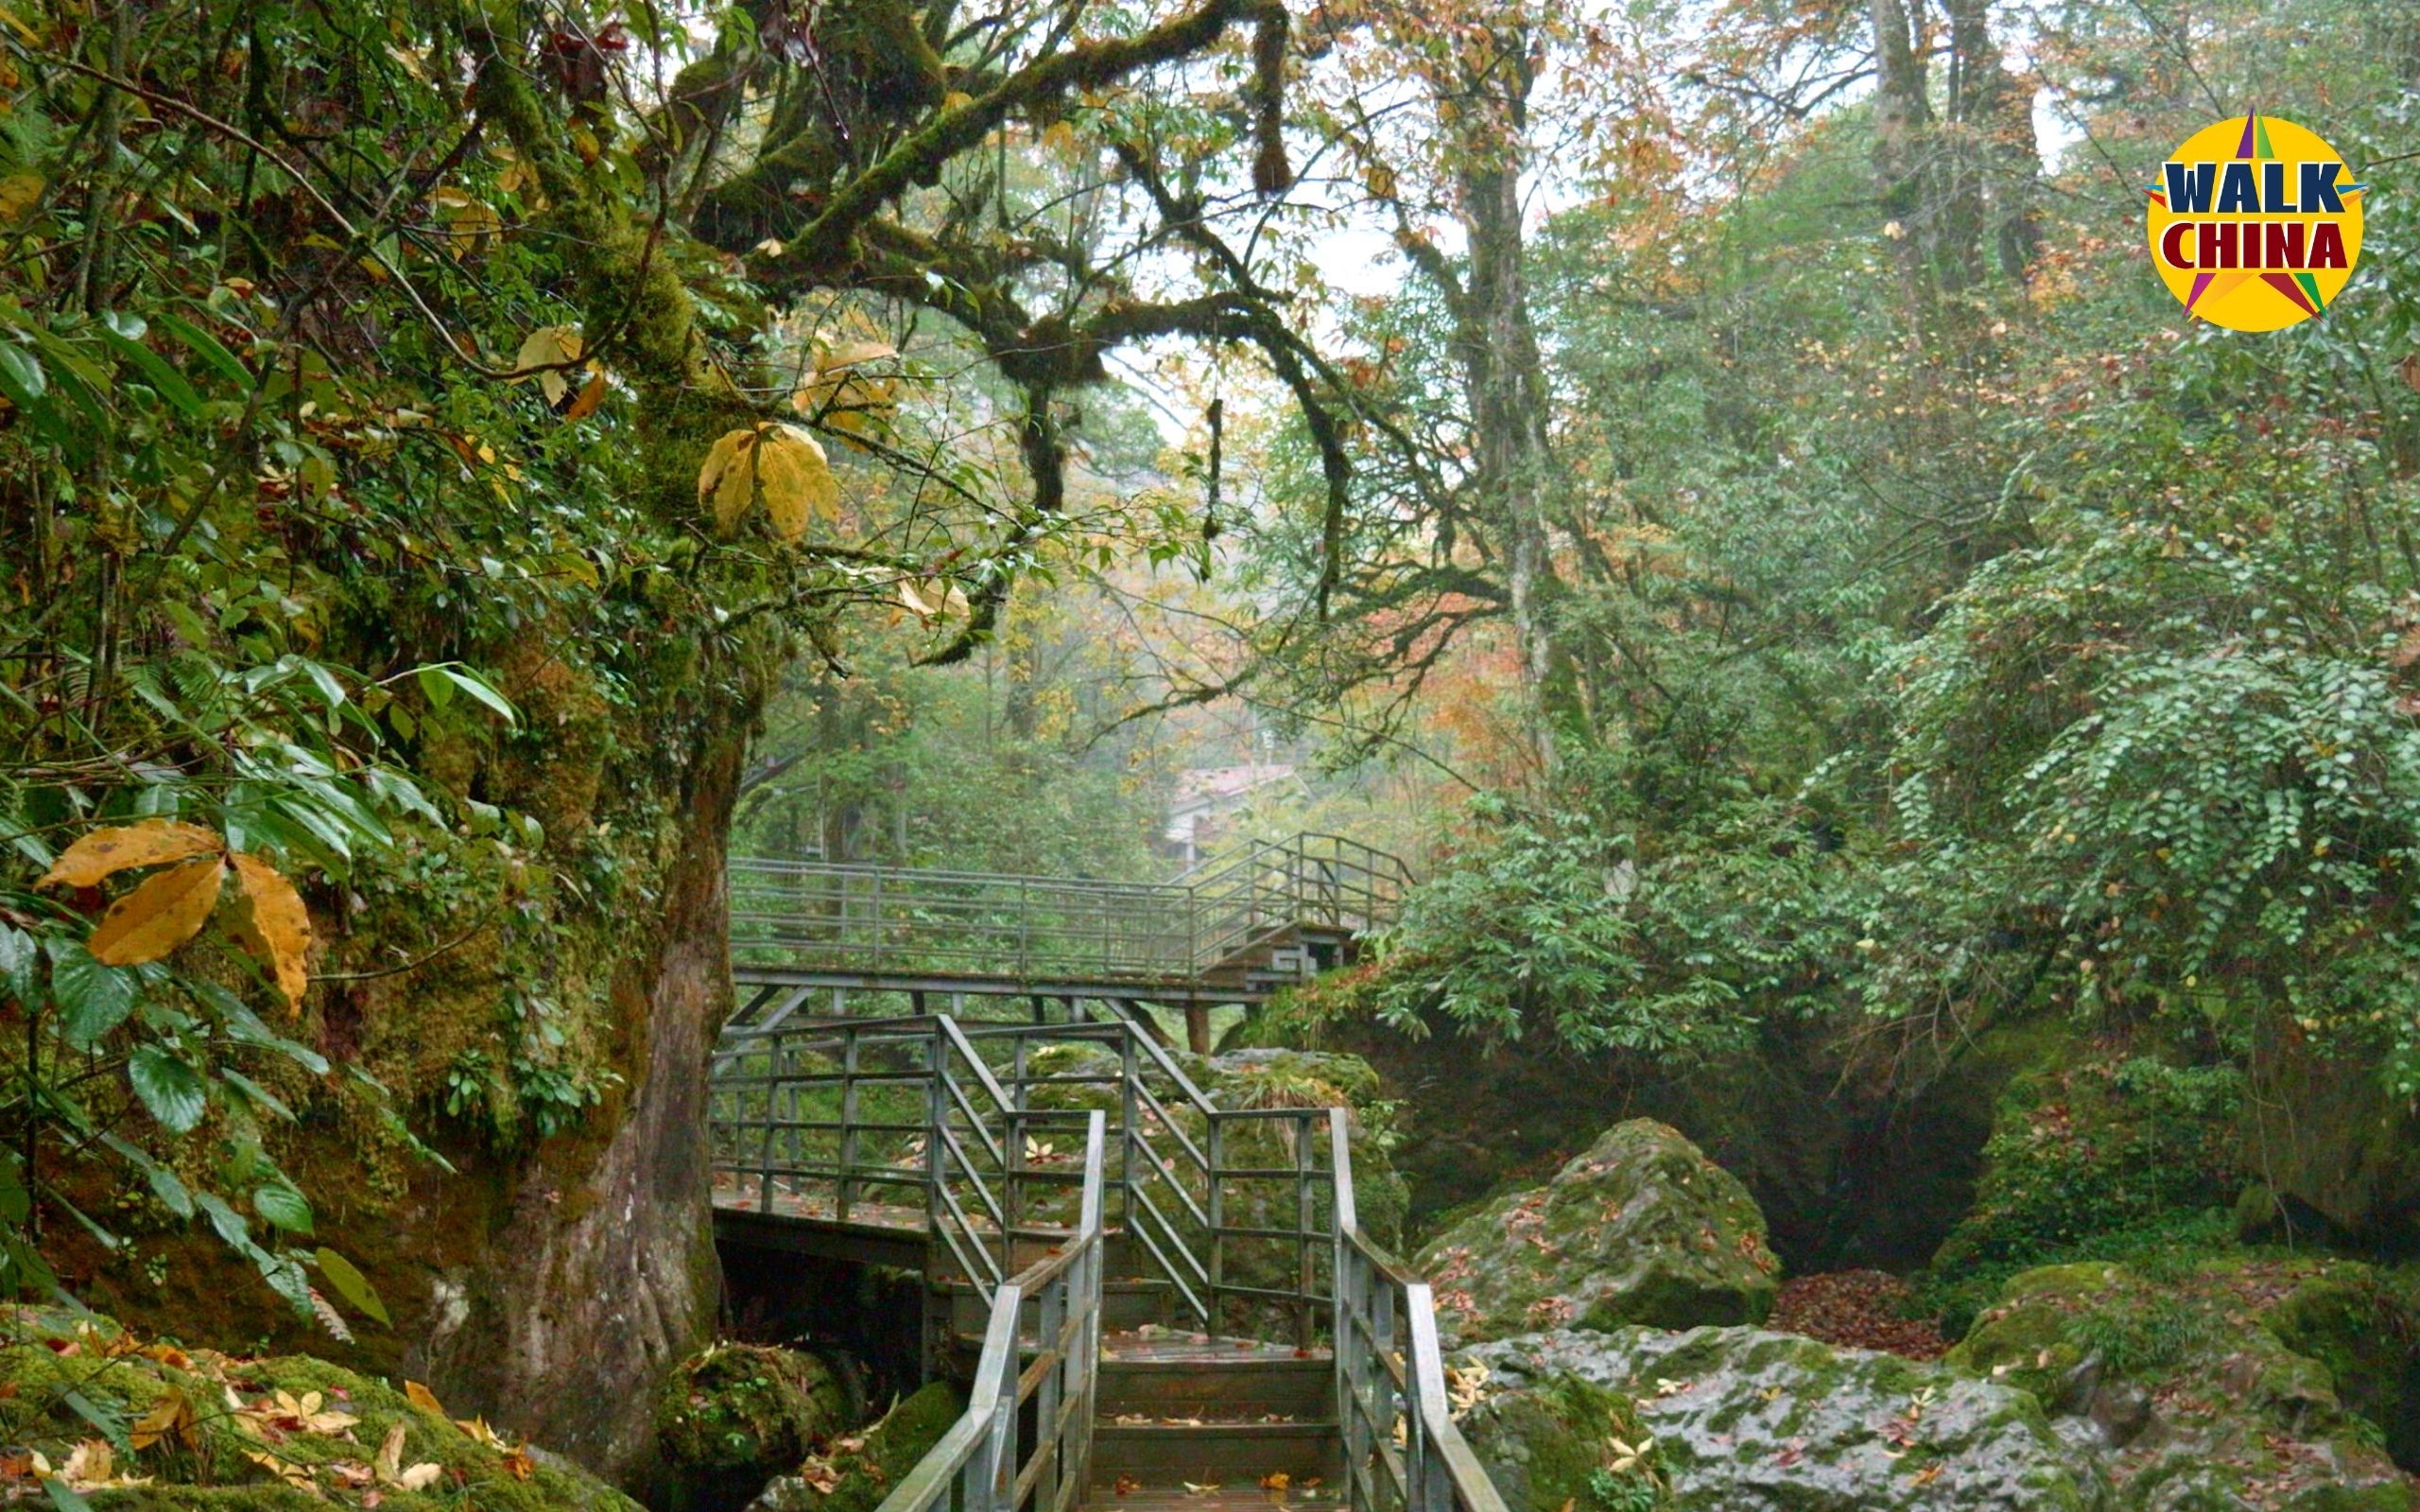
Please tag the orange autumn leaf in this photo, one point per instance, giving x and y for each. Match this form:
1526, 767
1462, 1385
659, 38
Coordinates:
273, 925
119, 848
167, 910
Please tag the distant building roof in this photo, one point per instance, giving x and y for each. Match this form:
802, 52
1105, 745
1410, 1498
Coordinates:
1207, 786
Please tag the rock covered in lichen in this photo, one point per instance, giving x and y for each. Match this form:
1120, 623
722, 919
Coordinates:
1639, 1229
2241, 1381
1738, 1419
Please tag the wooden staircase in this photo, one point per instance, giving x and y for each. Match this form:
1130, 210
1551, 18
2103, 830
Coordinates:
1179, 1412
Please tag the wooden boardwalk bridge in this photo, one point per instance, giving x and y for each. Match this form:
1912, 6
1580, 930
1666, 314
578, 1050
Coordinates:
1149, 1293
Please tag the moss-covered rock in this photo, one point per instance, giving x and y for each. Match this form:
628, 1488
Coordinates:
2101, 1158
195, 1429
2239, 1381
735, 1415
1640, 1229
1737, 1419
855, 1471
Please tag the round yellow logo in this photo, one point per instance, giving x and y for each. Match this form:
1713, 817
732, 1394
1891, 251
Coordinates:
2255, 224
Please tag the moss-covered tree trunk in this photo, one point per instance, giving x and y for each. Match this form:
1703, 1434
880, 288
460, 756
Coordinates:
592, 1269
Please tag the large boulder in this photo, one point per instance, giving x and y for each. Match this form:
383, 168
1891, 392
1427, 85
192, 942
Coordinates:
734, 1415
2094, 1157
1738, 1419
855, 1472
1640, 1229
2244, 1381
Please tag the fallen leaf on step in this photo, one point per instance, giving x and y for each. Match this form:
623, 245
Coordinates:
1127, 1485
1198, 1491
1275, 1481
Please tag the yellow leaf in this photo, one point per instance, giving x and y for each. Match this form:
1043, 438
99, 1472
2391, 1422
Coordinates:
468, 221
19, 192
105, 852
1060, 134
591, 395
422, 1398
166, 911
479, 1430
840, 390
89, 1462
797, 480
391, 1453
173, 1415
418, 1478
728, 479
275, 925
297, 1476
549, 347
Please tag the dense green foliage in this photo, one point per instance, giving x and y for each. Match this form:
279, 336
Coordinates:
429, 433
2031, 650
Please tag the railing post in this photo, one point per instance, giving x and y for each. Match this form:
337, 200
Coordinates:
764, 1144
1301, 1128
936, 1128
1217, 1207
848, 1119
1130, 1075
1050, 1309
1348, 1372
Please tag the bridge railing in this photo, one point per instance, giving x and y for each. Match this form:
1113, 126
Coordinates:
905, 921
1401, 1450
954, 1127
1235, 1207
1024, 1439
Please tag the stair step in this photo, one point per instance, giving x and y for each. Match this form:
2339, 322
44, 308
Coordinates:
1250, 1498
1212, 1453
1247, 1387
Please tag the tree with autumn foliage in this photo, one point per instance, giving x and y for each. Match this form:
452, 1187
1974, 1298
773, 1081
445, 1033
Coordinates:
1941, 633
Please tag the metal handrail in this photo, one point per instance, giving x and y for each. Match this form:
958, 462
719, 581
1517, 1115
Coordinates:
984, 1456
1401, 1450
1210, 920
798, 1115
1377, 1387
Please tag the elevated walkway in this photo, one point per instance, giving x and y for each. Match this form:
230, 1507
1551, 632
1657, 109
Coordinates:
1148, 1291
813, 935
1154, 1297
